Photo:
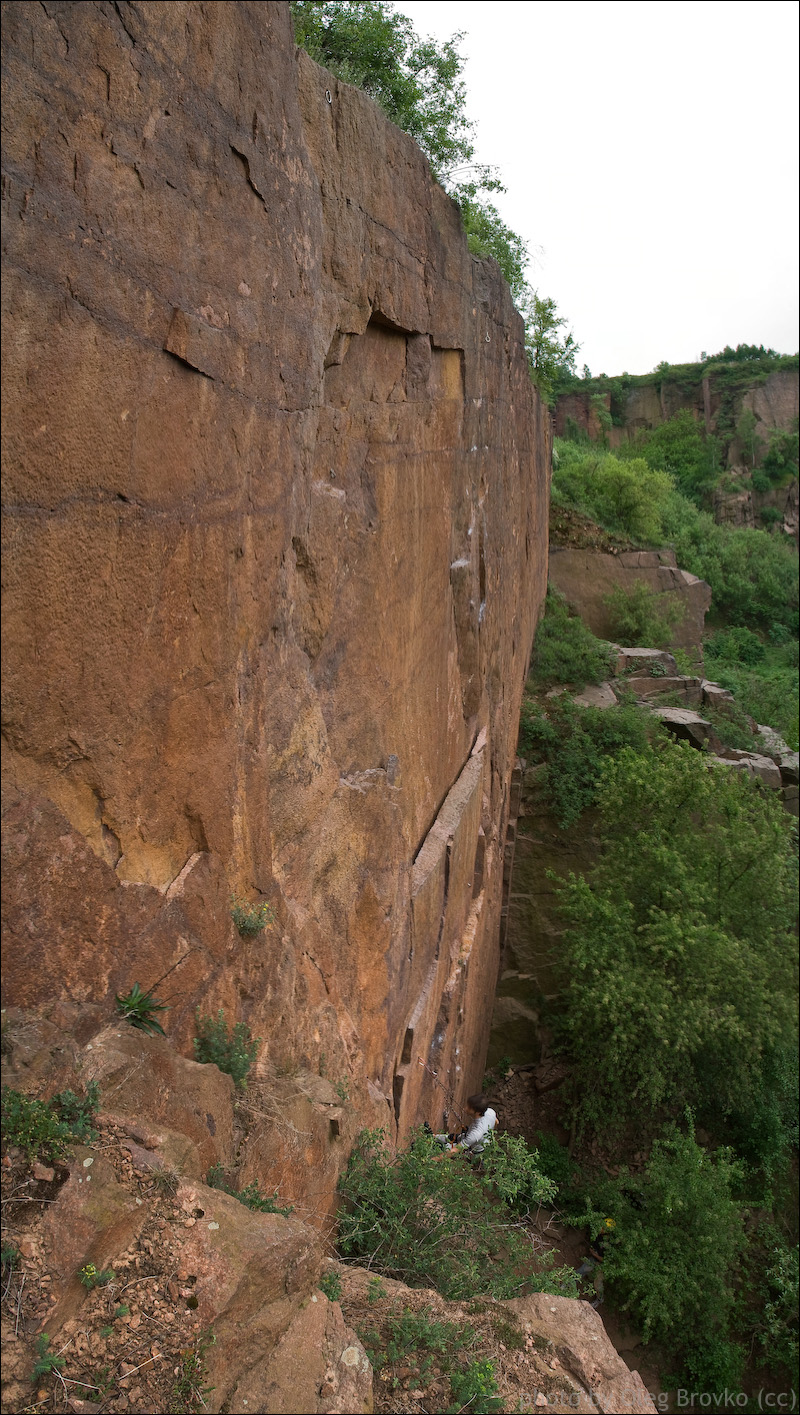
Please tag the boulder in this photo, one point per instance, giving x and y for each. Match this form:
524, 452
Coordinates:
584, 1349
141, 1076
599, 695
771, 743
640, 661
754, 764
790, 764
686, 725
649, 686
93, 1219
280, 1346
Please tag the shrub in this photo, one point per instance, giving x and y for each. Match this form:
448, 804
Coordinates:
640, 618
736, 645
139, 1008
752, 574
250, 1196
574, 742
435, 1221
475, 1389
772, 1315
565, 651
679, 446
45, 1129
626, 496
671, 1255
251, 919
331, 1285
233, 1052
680, 962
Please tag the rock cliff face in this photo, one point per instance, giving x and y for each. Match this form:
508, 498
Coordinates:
274, 551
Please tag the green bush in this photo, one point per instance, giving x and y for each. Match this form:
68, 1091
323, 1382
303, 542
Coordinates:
680, 964
752, 574
625, 496
565, 651
736, 645
45, 1129
771, 1314
681, 448
475, 1389
232, 1051
640, 618
671, 1256
435, 1221
768, 693
574, 742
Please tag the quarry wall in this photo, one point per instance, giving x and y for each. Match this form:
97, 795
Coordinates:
275, 546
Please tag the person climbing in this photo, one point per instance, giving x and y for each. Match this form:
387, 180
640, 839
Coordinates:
474, 1137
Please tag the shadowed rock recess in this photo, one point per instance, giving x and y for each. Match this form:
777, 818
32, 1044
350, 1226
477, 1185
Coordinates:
274, 551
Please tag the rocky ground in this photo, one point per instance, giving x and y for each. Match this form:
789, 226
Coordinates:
133, 1342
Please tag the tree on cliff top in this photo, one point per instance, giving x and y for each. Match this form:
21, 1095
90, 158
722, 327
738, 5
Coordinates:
418, 84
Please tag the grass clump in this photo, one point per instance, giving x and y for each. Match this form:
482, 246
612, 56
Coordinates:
411, 1340
232, 1051
250, 1196
45, 1129
566, 651
92, 1277
189, 1391
140, 1008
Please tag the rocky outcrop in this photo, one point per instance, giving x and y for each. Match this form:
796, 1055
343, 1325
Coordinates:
275, 546
587, 577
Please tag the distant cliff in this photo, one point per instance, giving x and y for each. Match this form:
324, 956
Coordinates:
275, 545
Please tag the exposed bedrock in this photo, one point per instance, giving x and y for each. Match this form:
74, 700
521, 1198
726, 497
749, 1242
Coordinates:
274, 550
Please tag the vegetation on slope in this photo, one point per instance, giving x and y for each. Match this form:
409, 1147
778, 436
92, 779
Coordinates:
678, 1006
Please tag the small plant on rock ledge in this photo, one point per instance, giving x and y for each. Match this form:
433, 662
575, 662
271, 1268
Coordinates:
233, 1052
251, 919
139, 1008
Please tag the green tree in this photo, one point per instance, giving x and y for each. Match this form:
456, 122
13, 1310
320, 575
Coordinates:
680, 960
417, 82
551, 353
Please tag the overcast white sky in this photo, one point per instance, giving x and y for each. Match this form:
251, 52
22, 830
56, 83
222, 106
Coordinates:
650, 152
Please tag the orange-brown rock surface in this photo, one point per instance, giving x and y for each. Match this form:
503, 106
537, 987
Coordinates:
274, 549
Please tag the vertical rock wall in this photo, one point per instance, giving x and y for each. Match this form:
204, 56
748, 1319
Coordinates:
274, 550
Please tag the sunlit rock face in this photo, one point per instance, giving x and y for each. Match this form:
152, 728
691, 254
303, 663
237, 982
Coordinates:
274, 551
